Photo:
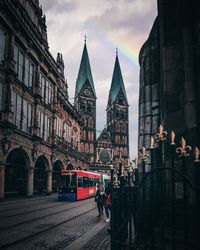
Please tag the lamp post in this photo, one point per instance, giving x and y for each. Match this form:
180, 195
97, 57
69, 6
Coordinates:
112, 199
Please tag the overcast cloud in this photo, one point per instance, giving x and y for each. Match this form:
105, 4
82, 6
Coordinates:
107, 24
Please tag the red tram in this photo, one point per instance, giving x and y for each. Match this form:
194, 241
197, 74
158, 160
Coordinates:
78, 184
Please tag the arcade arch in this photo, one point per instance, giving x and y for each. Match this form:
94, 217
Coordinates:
17, 166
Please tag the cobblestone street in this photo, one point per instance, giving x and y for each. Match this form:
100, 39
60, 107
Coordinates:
46, 223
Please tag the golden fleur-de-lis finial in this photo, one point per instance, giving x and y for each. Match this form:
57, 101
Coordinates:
152, 143
196, 155
161, 135
184, 149
172, 138
143, 155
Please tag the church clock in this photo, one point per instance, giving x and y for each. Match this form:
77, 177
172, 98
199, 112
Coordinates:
87, 92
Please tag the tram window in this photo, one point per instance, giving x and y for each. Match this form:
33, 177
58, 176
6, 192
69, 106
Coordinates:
96, 181
85, 182
80, 181
91, 182
71, 180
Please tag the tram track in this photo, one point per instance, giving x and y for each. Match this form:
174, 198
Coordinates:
41, 217
26, 201
30, 211
31, 236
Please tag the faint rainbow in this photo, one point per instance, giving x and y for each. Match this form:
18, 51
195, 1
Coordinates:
128, 50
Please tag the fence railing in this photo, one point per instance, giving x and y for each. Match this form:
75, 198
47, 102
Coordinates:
161, 209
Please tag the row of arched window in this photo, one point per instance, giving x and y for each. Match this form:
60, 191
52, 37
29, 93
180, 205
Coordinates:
120, 139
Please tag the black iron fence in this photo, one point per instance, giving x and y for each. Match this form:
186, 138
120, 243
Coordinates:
161, 209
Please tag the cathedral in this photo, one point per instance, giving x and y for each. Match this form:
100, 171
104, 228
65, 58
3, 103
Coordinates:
41, 132
111, 145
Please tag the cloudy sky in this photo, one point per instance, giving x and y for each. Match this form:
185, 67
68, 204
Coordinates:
108, 24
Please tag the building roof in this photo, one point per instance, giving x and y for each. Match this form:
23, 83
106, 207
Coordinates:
84, 74
104, 136
98, 133
117, 83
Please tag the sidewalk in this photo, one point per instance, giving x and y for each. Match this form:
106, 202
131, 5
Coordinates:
95, 239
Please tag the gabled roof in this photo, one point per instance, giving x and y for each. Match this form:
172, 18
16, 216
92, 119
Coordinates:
84, 74
98, 133
104, 136
117, 83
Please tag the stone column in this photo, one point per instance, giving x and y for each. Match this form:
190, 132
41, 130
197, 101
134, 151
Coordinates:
29, 189
2, 181
49, 182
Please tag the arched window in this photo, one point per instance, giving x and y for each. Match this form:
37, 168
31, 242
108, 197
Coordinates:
67, 132
91, 148
86, 148
2, 45
117, 126
90, 122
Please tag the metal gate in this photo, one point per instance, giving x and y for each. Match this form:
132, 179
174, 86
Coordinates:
161, 209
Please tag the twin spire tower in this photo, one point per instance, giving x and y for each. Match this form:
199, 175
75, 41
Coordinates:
113, 140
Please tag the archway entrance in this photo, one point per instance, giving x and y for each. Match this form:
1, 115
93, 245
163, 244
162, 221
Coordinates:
70, 166
40, 175
16, 173
56, 175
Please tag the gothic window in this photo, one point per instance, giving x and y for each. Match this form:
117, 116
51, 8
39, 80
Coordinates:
28, 72
75, 136
117, 126
117, 114
24, 67
47, 129
117, 139
46, 89
2, 45
90, 122
16, 108
58, 126
117, 151
109, 116
89, 106
41, 123
67, 132
125, 152
121, 99
91, 136
125, 140
91, 148
86, 148
27, 116
123, 127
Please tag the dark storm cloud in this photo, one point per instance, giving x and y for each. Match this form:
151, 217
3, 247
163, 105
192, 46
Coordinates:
58, 6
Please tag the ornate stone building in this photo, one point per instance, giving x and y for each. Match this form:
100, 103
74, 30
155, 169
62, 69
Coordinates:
113, 143
41, 132
85, 103
39, 128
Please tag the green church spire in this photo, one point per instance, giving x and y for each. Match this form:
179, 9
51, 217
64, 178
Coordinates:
117, 84
84, 74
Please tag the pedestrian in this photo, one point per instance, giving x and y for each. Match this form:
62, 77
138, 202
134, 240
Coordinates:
99, 200
107, 203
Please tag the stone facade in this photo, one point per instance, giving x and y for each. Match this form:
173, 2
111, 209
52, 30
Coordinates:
41, 132
174, 97
39, 128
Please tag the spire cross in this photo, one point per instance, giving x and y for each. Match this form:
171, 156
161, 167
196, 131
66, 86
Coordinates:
117, 51
85, 38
